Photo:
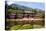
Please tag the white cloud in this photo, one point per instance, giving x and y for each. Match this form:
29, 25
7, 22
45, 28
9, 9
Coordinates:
12, 1
28, 0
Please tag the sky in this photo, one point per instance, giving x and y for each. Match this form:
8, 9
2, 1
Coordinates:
28, 3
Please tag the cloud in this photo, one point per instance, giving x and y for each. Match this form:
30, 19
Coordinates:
28, 0
32, 0
12, 1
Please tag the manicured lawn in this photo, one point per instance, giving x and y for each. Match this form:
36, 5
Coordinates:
16, 27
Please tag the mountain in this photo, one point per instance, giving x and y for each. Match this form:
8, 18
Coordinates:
24, 7
15, 6
20, 7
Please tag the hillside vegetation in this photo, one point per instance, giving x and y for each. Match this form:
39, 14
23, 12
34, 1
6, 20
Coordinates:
15, 25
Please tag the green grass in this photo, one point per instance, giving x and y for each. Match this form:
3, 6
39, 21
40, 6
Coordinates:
16, 27
26, 26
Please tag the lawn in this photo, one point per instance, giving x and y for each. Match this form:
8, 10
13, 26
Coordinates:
17, 25
25, 26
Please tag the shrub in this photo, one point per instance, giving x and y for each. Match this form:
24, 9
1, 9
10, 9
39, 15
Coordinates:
26, 26
15, 27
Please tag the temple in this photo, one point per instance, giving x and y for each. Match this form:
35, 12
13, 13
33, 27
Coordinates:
23, 14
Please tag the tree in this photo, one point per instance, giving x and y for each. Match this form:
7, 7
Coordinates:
34, 10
